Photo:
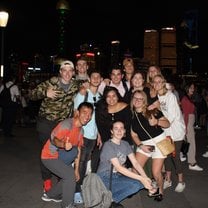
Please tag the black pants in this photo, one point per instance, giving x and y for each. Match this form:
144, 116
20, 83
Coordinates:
44, 128
8, 118
86, 151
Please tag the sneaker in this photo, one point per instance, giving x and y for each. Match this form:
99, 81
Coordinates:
195, 167
78, 198
167, 184
182, 157
180, 187
46, 198
205, 154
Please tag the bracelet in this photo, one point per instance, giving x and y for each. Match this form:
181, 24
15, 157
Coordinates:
139, 146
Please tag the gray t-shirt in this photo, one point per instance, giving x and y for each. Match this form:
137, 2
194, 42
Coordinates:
111, 150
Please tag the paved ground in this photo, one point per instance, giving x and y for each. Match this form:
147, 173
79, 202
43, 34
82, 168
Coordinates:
21, 185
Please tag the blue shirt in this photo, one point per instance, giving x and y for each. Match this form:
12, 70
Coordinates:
90, 129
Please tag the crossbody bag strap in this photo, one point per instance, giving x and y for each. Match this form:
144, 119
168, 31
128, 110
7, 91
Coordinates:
142, 125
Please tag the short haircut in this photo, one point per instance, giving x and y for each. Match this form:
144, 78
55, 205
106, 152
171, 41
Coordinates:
85, 104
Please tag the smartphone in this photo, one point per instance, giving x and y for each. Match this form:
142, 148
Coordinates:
151, 148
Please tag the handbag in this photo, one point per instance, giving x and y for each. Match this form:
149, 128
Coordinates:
166, 146
185, 146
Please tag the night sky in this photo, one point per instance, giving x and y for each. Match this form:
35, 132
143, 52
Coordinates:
33, 26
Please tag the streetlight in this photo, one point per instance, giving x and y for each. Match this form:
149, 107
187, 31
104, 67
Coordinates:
4, 16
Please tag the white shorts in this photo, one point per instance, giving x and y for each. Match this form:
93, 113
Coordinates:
156, 153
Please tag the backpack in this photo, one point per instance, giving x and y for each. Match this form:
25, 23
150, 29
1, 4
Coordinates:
94, 192
5, 96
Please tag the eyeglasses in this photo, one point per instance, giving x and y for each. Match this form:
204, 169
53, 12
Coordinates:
138, 99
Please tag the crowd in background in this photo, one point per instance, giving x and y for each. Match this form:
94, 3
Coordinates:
132, 105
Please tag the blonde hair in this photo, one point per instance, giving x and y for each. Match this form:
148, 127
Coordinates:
163, 81
149, 79
145, 103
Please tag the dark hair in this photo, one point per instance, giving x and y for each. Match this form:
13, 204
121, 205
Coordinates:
92, 71
110, 88
115, 121
85, 104
102, 106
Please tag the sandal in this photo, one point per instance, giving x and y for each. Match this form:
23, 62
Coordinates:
154, 194
159, 198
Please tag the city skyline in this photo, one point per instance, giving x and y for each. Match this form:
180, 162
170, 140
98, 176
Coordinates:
32, 26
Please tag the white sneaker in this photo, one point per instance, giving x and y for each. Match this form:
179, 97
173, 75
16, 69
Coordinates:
167, 184
182, 157
195, 167
78, 198
180, 187
205, 154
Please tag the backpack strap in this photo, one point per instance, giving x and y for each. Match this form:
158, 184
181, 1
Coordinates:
125, 85
86, 96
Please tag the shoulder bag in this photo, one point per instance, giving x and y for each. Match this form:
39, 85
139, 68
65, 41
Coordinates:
166, 146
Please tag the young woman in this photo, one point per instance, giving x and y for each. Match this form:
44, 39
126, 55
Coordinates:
146, 132
113, 156
188, 109
110, 108
171, 109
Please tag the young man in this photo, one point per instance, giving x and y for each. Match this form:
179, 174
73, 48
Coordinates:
91, 136
57, 96
82, 69
65, 136
116, 80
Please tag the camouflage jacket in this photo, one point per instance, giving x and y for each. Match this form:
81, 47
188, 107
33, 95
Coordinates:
59, 108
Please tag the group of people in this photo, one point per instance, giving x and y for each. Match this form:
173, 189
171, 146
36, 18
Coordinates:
115, 123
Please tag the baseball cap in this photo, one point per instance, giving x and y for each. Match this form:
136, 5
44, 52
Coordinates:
66, 62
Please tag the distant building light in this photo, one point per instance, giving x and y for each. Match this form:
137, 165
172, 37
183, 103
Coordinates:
115, 42
34, 69
25, 63
148, 31
90, 54
168, 28
78, 55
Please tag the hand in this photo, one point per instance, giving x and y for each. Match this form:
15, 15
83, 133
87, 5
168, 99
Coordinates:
51, 93
147, 182
77, 176
68, 144
146, 148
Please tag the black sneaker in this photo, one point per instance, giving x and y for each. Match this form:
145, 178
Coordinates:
46, 198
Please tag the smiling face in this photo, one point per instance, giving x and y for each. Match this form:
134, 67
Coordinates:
95, 79
116, 76
84, 115
82, 66
66, 73
137, 80
111, 98
118, 130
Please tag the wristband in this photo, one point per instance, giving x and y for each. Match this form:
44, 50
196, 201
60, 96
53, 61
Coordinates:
139, 146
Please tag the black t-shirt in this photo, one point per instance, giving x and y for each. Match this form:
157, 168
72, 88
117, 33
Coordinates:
152, 130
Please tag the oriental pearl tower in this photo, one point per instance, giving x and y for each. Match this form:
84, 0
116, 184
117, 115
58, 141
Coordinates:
63, 13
